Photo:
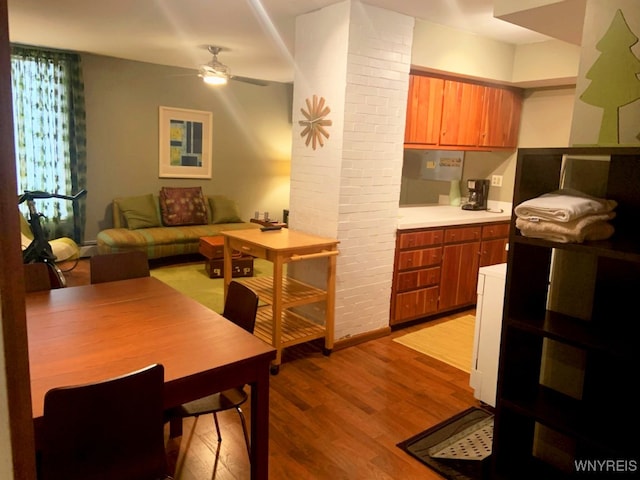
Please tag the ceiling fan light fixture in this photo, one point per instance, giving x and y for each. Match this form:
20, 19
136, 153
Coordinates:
212, 77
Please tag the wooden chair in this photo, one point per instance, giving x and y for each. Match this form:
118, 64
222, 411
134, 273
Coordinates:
106, 430
241, 307
36, 277
118, 266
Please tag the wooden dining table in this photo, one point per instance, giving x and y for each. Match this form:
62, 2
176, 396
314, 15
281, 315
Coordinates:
94, 332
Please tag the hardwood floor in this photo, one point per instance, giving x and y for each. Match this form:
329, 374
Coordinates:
335, 417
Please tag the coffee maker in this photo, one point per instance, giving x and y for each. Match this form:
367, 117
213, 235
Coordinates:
478, 194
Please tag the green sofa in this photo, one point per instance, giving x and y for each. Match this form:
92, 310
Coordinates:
139, 223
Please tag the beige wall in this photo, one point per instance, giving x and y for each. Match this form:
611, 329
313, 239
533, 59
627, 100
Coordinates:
251, 136
551, 63
445, 49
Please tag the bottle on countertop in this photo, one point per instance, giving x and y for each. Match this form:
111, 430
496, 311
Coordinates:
454, 193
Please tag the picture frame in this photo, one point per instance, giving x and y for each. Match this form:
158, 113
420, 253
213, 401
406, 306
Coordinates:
185, 143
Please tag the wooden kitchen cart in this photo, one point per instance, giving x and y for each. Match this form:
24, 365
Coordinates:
279, 323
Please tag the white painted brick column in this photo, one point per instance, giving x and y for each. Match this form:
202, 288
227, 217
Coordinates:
357, 58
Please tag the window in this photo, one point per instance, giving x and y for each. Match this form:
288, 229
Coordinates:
49, 125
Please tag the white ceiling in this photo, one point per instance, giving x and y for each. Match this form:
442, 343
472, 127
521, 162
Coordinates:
257, 36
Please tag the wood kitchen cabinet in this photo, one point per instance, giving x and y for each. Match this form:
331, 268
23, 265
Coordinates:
451, 114
436, 269
501, 109
461, 113
493, 249
417, 274
424, 110
460, 260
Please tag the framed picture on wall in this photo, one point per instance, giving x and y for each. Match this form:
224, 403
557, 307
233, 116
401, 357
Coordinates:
185, 143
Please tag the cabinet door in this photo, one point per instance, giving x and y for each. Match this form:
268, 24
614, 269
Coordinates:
493, 251
459, 275
416, 304
494, 244
461, 113
500, 118
424, 110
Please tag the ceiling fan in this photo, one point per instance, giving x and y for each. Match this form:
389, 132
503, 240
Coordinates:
217, 73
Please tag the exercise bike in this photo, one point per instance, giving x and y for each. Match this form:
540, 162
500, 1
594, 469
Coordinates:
39, 250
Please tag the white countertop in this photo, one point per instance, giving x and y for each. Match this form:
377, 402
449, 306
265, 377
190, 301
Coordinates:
446, 215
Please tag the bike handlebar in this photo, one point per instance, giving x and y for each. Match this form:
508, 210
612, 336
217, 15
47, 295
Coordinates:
33, 194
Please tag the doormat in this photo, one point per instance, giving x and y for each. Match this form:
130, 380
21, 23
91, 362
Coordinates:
458, 448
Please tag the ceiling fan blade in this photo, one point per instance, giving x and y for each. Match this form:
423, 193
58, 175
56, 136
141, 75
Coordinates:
253, 81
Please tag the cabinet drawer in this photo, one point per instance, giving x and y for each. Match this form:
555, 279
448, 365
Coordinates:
419, 258
248, 249
418, 278
463, 234
498, 230
420, 239
416, 304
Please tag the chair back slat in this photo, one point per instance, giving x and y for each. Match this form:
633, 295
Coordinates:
111, 267
241, 306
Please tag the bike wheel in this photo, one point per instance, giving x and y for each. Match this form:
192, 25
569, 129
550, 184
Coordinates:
56, 276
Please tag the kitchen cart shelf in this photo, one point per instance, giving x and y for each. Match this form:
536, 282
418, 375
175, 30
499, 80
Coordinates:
295, 328
286, 303
294, 293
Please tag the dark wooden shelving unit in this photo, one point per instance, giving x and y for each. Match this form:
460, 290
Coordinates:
551, 414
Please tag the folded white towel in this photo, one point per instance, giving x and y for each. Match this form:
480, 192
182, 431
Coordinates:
563, 205
588, 227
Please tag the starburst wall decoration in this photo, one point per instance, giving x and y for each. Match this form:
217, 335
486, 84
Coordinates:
314, 126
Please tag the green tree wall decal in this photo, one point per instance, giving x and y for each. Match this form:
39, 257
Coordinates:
614, 77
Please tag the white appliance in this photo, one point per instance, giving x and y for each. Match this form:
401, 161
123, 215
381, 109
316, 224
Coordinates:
488, 326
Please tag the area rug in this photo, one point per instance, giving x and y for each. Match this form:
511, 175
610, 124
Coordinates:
450, 342
458, 448
193, 280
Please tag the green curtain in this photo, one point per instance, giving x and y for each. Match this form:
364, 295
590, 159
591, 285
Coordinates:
50, 133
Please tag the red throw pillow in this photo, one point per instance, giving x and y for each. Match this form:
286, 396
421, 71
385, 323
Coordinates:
182, 206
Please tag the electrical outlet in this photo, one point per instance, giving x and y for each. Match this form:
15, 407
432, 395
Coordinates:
496, 180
